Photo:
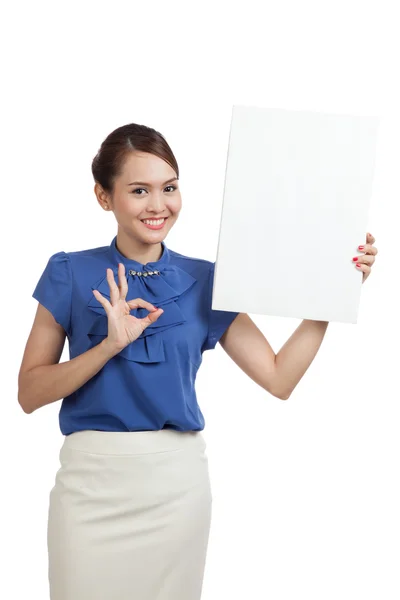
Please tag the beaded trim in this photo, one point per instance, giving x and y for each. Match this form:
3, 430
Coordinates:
144, 274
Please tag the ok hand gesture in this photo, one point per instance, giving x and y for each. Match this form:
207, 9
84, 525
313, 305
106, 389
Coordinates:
123, 328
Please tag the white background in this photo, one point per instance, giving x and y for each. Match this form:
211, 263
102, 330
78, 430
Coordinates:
306, 491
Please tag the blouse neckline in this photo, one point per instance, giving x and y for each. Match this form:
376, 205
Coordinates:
137, 266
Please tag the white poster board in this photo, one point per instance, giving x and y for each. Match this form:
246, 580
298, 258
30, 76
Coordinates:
296, 199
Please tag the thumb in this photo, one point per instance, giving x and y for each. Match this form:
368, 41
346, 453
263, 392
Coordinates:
153, 316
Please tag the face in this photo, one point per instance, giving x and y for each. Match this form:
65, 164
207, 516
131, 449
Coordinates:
156, 196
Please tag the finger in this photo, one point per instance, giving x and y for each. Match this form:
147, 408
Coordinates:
123, 284
152, 317
136, 302
371, 250
114, 290
368, 249
366, 259
370, 238
103, 301
362, 267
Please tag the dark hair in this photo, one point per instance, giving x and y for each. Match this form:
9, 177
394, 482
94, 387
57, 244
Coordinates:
108, 163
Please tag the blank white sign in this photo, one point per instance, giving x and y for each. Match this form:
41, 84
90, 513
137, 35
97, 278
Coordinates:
295, 209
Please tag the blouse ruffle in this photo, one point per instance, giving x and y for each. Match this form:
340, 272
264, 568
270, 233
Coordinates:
162, 291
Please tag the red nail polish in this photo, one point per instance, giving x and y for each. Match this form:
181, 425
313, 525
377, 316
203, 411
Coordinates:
355, 258
361, 247
358, 265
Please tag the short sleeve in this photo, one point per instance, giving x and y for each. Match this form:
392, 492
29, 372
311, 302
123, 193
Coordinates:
218, 320
54, 289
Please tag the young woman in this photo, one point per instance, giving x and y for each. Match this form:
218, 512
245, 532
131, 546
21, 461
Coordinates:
130, 511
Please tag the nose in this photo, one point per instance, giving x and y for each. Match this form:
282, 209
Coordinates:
156, 203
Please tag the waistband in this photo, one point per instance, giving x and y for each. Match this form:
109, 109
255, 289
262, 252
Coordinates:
133, 442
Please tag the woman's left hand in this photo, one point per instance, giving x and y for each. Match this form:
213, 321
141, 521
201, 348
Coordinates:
365, 261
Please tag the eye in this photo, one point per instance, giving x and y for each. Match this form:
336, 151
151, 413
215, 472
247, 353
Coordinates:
139, 189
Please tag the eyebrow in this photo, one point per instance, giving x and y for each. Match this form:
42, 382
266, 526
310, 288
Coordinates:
149, 184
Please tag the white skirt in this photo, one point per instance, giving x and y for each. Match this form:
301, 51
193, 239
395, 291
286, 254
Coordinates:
129, 516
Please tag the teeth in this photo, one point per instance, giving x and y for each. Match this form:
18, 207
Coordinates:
154, 222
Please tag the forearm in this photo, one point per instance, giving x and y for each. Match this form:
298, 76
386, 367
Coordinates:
297, 354
47, 383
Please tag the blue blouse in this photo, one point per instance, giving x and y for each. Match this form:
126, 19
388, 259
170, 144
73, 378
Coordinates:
150, 384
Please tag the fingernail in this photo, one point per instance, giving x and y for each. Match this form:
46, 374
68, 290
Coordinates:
361, 247
355, 258
358, 265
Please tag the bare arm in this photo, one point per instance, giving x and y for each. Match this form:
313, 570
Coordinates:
277, 373
41, 379
250, 350
297, 354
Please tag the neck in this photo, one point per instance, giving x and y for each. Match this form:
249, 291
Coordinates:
141, 252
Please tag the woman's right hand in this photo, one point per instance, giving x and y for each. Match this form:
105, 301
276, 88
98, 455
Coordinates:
123, 328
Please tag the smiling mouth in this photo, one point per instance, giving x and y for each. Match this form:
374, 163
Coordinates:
156, 225
159, 219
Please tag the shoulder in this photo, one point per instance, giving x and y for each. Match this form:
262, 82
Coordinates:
184, 257
198, 267
88, 260
98, 252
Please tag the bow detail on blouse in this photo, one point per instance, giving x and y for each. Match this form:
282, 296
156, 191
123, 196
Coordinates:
163, 291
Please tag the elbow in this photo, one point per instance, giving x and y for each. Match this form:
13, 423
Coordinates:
276, 387
25, 405
27, 410
281, 394
24, 398
278, 394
